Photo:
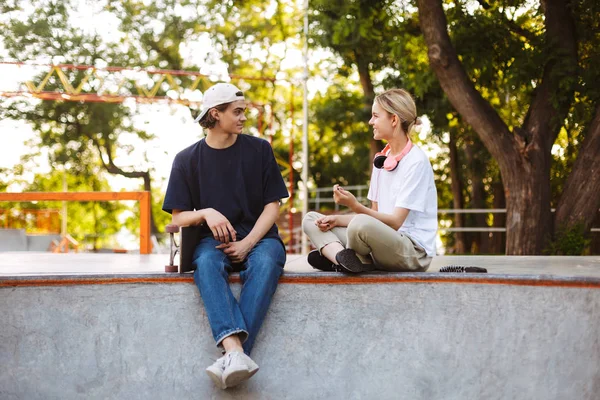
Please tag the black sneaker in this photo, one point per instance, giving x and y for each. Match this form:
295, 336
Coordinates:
318, 261
461, 269
349, 261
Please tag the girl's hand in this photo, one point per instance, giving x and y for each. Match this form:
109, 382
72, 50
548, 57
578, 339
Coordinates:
344, 197
327, 223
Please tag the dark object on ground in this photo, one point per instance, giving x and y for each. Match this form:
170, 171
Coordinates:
460, 268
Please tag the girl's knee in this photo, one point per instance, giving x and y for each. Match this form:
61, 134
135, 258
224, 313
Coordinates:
359, 223
308, 223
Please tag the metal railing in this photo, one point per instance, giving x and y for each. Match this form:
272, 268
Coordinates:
359, 191
142, 197
316, 198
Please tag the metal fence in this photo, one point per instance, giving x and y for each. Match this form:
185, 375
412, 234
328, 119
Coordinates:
324, 196
317, 199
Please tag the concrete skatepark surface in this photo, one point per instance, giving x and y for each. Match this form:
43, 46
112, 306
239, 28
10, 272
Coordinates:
87, 326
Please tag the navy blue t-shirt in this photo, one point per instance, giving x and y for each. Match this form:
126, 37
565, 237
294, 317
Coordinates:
237, 181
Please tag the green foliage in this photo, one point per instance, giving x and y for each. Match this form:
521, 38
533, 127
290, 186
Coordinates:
80, 137
339, 144
569, 241
358, 31
3, 179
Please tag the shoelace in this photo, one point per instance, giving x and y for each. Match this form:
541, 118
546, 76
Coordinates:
221, 362
231, 356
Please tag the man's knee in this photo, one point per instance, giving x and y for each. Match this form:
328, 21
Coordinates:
268, 254
267, 267
208, 262
308, 223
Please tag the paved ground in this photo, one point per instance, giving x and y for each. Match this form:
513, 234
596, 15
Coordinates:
29, 263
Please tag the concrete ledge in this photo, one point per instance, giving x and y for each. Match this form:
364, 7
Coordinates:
312, 278
393, 340
529, 335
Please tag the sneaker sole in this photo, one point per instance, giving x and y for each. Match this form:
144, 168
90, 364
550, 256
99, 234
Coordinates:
237, 377
217, 379
350, 262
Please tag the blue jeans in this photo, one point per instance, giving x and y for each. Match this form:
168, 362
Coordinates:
259, 274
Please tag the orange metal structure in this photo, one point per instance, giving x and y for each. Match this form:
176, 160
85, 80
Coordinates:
116, 84
142, 197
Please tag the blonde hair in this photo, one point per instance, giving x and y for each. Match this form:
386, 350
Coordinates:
399, 102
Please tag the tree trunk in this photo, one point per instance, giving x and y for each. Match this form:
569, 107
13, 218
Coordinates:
498, 242
527, 190
478, 202
524, 158
595, 240
580, 200
458, 200
145, 175
148, 188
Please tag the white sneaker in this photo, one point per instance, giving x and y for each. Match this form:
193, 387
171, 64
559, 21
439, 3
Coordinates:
238, 368
215, 372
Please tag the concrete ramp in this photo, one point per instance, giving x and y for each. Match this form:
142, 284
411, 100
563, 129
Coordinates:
18, 240
41, 242
327, 336
13, 240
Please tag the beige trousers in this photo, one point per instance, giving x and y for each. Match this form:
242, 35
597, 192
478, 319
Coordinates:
390, 250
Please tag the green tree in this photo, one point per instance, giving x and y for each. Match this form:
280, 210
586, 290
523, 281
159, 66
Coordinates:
339, 138
360, 33
78, 136
545, 59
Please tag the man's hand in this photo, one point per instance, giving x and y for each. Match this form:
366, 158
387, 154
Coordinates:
236, 251
327, 223
344, 197
219, 225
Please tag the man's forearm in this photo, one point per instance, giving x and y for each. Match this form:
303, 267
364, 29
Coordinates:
265, 221
188, 218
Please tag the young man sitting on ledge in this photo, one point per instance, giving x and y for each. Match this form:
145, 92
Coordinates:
230, 185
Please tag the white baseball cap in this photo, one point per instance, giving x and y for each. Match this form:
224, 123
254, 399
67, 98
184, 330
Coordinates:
218, 94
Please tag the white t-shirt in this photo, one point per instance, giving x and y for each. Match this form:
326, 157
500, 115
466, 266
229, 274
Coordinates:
409, 186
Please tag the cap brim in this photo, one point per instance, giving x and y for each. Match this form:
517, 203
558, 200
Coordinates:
199, 117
